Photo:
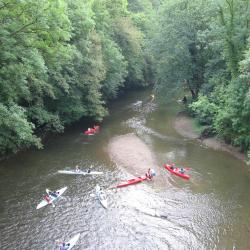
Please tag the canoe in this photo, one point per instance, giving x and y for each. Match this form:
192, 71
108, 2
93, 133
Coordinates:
44, 203
78, 172
72, 241
177, 172
101, 195
132, 181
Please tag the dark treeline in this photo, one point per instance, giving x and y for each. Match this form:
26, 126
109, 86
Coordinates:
61, 60
204, 46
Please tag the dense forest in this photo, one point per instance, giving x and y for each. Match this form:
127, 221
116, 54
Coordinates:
62, 60
203, 47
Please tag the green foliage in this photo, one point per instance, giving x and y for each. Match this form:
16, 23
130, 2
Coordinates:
179, 48
227, 109
203, 46
204, 109
234, 30
116, 70
62, 60
44, 120
15, 130
129, 40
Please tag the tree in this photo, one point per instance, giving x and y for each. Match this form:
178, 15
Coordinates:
62, 60
178, 47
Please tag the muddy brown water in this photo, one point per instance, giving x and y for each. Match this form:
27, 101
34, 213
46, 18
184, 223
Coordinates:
211, 211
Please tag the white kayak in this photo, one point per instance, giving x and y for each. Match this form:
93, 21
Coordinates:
72, 241
44, 203
78, 172
101, 195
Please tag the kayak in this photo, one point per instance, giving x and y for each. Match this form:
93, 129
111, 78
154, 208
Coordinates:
78, 172
101, 195
44, 203
132, 181
177, 172
92, 131
87, 132
72, 241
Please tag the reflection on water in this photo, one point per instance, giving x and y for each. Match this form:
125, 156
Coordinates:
211, 211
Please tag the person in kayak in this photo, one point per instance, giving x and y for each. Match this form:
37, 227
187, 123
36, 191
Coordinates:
64, 246
172, 166
150, 174
47, 198
53, 193
77, 169
182, 171
89, 170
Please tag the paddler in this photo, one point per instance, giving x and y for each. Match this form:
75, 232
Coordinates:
53, 193
182, 171
150, 174
77, 169
64, 246
172, 166
47, 198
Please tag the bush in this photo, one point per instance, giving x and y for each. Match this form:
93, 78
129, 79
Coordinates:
204, 110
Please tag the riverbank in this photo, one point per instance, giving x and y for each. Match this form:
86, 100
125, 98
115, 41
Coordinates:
183, 124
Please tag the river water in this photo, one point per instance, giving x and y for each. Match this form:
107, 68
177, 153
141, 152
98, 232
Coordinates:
211, 211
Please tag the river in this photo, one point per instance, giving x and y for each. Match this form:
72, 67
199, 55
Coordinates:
211, 211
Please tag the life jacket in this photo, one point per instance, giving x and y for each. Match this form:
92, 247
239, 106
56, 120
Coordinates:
47, 198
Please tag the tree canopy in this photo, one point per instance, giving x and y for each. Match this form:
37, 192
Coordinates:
203, 46
62, 60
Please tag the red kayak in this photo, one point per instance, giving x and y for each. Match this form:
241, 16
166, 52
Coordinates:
132, 181
177, 171
92, 131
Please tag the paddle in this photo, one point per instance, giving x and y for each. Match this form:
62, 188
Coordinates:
53, 205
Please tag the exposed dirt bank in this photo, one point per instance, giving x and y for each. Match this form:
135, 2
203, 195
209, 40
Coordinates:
130, 153
184, 126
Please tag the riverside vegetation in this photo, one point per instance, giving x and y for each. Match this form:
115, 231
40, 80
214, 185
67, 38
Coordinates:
204, 46
62, 60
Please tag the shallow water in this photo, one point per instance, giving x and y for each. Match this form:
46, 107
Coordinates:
211, 211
